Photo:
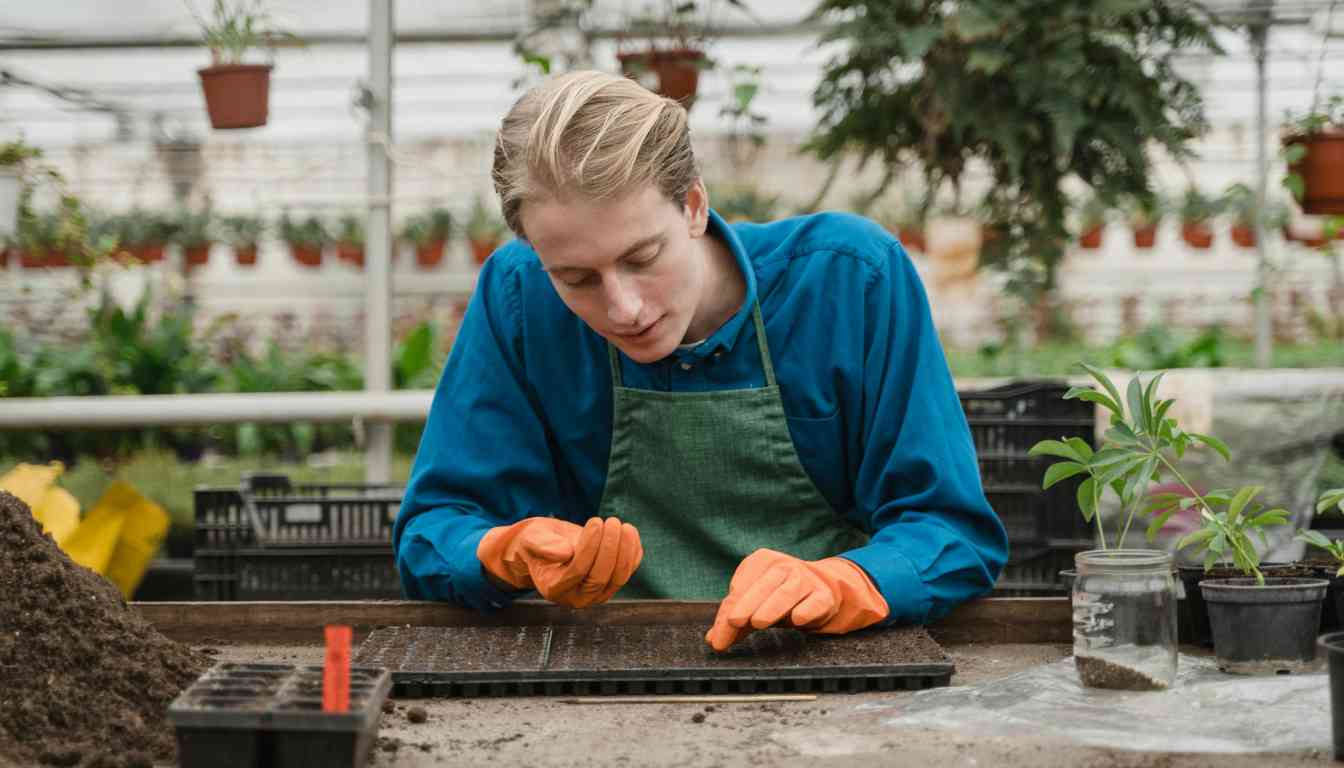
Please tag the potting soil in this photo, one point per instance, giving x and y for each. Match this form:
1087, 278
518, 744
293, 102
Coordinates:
84, 681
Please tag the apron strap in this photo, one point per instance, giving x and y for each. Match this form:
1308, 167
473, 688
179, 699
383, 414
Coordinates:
761, 344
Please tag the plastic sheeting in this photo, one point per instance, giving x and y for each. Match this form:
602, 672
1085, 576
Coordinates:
1206, 711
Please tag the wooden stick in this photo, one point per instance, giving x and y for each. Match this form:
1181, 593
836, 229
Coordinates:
727, 698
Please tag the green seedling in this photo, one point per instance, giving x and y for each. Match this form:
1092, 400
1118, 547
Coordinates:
1330, 502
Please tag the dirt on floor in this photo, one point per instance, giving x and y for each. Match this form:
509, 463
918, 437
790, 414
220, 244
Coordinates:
833, 730
84, 681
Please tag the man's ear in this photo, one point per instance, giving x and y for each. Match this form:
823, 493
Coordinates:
697, 209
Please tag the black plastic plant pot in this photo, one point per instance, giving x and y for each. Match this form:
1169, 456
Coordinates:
1192, 615
1264, 629
270, 716
1332, 645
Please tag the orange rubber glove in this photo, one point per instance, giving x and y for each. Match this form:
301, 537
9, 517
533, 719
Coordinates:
832, 596
568, 564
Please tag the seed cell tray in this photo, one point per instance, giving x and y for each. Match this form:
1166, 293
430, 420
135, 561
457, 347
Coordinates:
270, 716
583, 660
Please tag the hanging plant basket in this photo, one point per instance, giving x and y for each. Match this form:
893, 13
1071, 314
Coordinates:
351, 253
196, 255
1197, 235
307, 255
1322, 171
674, 73
236, 95
1091, 238
1145, 235
9, 201
149, 253
481, 249
246, 255
428, 255
1243, 235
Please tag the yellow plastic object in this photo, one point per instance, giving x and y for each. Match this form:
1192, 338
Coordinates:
92, 543
30, 481
143, 528
58, 512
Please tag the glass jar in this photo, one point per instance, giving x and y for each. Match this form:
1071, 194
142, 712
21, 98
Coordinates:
1124, 619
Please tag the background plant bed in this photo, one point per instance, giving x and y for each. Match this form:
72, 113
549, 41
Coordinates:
1268, 628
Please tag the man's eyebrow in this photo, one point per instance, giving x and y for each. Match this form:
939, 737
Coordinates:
636, 247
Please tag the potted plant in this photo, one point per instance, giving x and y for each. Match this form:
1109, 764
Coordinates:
305, 238
1240, 201
1145, 214
194, 234
1142, 445
1313, 147
1197, 210
242, 233
1092, 222
1330, 502
237, 94
350, 240
14, 156
428, 233
664, 49
485, 231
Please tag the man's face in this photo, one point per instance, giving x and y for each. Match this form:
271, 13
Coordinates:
630, 267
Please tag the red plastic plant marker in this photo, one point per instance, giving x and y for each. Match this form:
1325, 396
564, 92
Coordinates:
336, 670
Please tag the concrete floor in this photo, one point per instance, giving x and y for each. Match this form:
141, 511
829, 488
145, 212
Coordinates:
832, 730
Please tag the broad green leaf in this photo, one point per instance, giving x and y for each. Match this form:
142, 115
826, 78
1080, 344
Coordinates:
1080, 445
1162, 409
1087, 498
1272, 517
1219, 542
1214, 443
1157, 523
1122, 435
1161, 501
1331, 500
1149, 411
1196, 537
1117, 471
1138, 481
1314, 538
1061, 471
1104, 380
1134, 399
1056, 448
1107, 457
1239, 501
1093, 396
1210, 558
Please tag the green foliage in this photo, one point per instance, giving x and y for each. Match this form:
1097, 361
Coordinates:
1146, 209
242, 231
1142, 444
16, 153
1239, 200
674, 24
350, 229
193, 230
1199, 207
744, 84
1318, 118
1158, 347
310, 231
1014, 84
1093, 211
416, 362
234, 28
427, 227
483, 223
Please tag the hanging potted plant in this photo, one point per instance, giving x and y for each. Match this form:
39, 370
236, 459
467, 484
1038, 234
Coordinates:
429, 234
350, 240
237, 94
664, 49
243, 234
1197, 210
1145, 214
1313, 148
1092, 223
14, 156
485, 231
306, 239
194, 235
1239, 200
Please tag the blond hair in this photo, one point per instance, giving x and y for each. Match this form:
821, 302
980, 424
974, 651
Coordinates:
592, 134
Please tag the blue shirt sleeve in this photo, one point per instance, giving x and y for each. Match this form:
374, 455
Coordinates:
481, 462
936, 542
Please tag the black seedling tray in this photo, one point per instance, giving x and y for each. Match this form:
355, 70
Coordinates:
581, 660
270, 716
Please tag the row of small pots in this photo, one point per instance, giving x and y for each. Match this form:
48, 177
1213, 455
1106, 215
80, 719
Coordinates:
427, 255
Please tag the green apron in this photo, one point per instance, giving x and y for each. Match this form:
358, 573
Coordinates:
708, 478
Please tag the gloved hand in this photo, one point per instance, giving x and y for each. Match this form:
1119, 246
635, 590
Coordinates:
832, 596
568, 564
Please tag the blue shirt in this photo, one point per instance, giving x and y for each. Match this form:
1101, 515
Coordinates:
521, 421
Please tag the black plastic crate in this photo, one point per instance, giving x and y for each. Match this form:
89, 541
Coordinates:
1005, 423
357, 572
1036, 573
271, 540
270, 716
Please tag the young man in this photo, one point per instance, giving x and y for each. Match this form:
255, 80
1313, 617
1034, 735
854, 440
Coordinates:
644, 399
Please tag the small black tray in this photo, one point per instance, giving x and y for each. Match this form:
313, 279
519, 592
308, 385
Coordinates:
270, 716
581, 660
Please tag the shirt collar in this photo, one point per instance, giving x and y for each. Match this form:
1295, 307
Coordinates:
728, 333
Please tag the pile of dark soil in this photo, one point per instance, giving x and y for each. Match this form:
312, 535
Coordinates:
84, 681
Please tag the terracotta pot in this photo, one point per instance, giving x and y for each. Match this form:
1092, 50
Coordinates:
148, 253
429, 255
196, 255
32, 259
912, 239
4, 258
481, 249
1310, 241
351, 253
246, 255
1243, 235
1145, 236
1322, 171
307, 255
1090, 239
236, 95
1197, 234
57, 259
677, 72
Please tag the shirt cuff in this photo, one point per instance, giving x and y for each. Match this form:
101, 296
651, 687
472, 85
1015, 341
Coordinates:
894, 575
469, 576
